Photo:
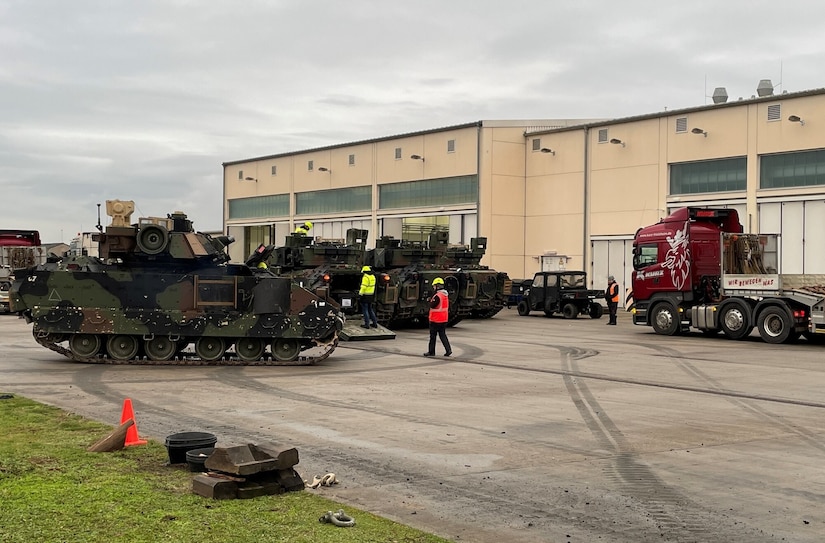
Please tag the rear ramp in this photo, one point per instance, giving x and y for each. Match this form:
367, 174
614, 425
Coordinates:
354, 332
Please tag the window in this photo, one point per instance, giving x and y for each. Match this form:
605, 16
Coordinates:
429, 192
310, 165
645, 255
274, 170
536, 144
538, 281
398, 153
722, 175
352, 160
774, 112
802, 169
240, 174
259, 206
603, 135
681, 125
333, 201
451, 146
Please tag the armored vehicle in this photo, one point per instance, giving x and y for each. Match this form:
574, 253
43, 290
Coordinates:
562, 292
158, 287
481, 290
331, 268
405, 270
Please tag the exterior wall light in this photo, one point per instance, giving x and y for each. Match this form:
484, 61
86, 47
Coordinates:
699, 131
322, 169
417, 157
548, 150
796, 119
617, 141
250, 179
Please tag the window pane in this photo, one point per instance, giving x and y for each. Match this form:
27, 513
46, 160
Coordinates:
259, 206
333, 201
429, 192
727, 174
792, 170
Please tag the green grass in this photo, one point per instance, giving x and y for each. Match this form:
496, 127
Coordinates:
52, 490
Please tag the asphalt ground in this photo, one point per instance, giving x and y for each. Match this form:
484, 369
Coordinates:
536, 429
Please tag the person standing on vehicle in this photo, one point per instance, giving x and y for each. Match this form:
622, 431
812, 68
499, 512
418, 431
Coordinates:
366, 296
304, 228
439, 315
611, 294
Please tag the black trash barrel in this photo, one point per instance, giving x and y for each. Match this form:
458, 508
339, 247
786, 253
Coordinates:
197, 457
179, 444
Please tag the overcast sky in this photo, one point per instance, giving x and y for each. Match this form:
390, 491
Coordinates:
143, 100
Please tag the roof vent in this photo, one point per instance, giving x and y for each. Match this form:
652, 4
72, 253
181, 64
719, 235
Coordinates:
765, 87
720, 95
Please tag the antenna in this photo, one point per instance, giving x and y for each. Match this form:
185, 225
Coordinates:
99, 226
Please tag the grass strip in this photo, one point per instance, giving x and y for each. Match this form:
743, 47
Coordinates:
52, 490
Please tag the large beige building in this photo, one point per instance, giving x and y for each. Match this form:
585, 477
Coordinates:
551, 193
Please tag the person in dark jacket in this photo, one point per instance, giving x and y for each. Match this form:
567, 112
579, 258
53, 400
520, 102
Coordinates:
439, 315
611, 294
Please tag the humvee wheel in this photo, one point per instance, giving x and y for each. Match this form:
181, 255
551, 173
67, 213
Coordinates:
570, 311
122, 347
160, 348
286, 349
84, 345
209, 348
523, 308
250, 349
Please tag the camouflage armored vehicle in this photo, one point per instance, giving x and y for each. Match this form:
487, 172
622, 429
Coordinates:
482, 291
330, 268
158, 288
404, 273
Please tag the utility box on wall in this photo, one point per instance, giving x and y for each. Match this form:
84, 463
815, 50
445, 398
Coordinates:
552, 261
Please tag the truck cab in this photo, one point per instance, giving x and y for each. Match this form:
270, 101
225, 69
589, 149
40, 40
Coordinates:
563, 292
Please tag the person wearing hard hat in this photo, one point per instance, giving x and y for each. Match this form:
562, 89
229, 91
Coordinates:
366, 295
611, 294
439, 315
304, 228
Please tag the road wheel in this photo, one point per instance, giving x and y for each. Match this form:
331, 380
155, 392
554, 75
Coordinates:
160, 348
286, 349
122, 347
570, 311
596, 311
523, 308
665, 319
84, 345
735, 319
250, 349
209, 348
774, 325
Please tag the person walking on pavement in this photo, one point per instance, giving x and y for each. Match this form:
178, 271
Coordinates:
366, 295
439, 315
611, 294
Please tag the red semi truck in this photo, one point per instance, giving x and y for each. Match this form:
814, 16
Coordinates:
697, 269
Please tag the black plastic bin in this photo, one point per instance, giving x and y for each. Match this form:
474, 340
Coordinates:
197, 457
179, 444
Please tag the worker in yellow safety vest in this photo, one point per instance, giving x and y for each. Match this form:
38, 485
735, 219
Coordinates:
304, 228
366, 295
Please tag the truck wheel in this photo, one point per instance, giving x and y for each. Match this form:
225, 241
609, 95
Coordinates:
523, 308
774, 325
735, 319
570, 311
596, 311
665, 319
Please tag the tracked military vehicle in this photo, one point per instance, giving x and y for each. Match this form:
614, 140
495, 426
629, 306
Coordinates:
161, 293
404, 274
482, 292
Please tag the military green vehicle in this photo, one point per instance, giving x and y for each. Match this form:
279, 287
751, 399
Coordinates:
331, 268
161, 293
482, 291
404, 273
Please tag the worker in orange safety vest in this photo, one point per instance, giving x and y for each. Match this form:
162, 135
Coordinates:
611, 294
439, 315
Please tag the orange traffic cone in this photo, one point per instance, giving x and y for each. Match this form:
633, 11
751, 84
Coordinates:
132, 432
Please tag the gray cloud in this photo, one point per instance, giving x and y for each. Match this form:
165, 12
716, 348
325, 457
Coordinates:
144, 101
